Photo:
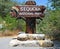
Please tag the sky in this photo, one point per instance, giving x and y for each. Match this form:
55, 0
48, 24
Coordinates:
38, 2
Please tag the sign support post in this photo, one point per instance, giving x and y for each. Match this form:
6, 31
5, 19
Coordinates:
30, 22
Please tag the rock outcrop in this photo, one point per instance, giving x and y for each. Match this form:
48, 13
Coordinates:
31, 40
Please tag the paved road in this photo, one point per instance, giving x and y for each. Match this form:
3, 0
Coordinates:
4, 44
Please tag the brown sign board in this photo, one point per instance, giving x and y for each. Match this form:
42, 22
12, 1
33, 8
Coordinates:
29, 10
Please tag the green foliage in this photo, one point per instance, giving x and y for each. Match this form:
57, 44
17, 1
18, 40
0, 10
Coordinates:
6, 19
50, 24
55, 4
11, 23
21, 25
1, 20
5, 6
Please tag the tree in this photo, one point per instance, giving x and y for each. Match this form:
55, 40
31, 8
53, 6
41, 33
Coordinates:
10, 23
55, 3
5, 6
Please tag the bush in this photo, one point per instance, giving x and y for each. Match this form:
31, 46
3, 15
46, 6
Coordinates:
50, 24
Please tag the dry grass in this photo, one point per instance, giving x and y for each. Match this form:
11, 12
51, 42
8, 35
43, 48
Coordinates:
8, 33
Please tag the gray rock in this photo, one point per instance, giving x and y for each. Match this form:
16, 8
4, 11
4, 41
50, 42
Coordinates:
31, 37
31, 43
28, 43
46, 43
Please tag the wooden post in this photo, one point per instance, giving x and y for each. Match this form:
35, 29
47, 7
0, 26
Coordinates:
30, 25
30, 22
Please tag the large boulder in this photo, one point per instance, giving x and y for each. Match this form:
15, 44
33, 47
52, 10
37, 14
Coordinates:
31, 43
24, 37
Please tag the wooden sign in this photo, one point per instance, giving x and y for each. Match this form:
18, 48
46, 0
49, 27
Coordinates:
29, 11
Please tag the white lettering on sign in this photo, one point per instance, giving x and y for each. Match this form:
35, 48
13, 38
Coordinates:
25, 13
29, 13
29, 9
